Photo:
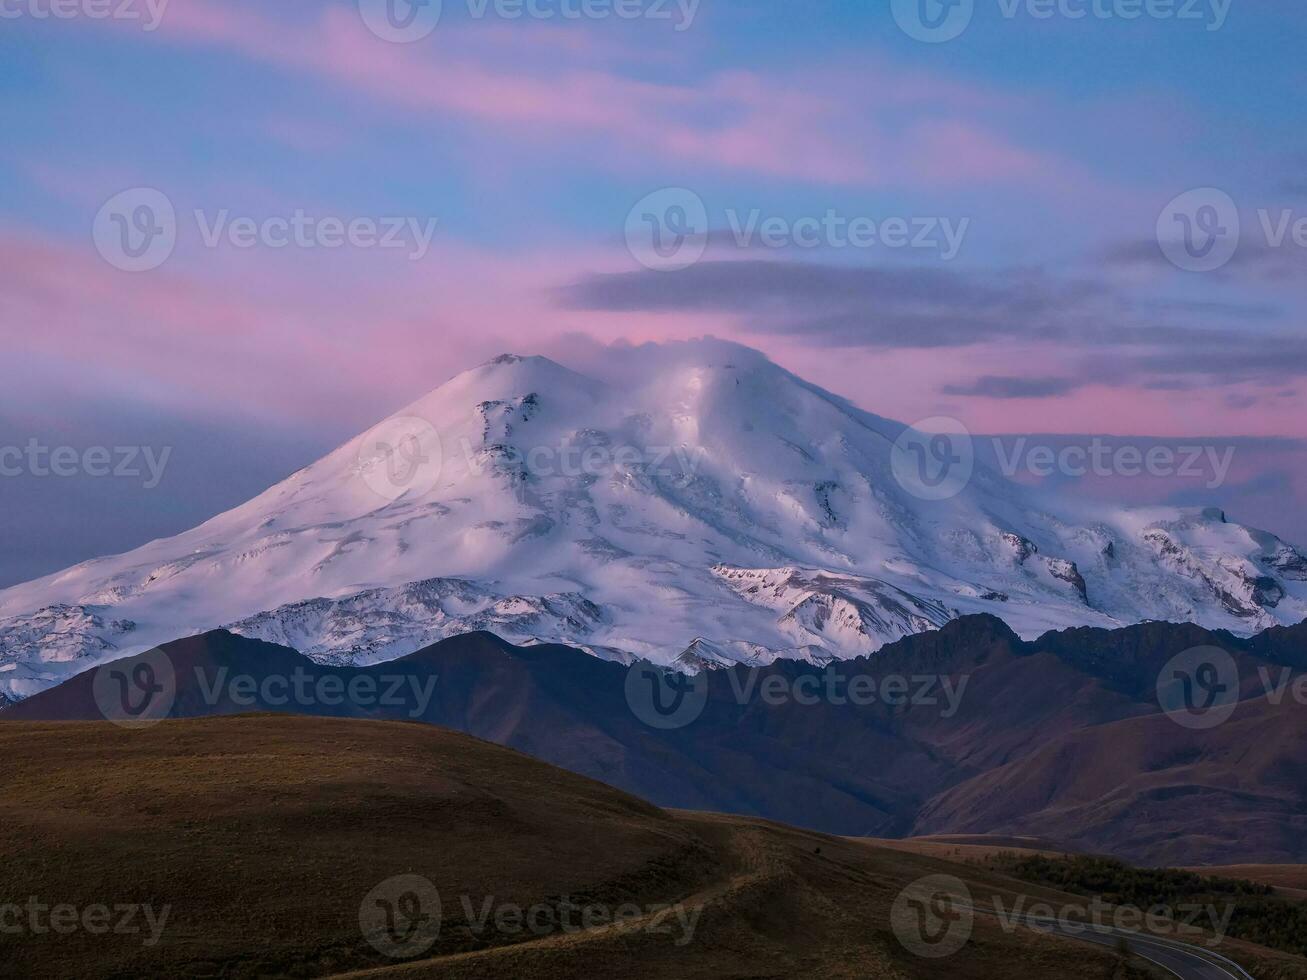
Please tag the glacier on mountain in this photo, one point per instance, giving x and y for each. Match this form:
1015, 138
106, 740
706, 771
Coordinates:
690, 503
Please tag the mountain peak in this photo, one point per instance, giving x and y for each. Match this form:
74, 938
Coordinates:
671, 492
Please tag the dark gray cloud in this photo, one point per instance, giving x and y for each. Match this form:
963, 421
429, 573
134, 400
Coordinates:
851, 306
999, 386
1267, 253
1111, 333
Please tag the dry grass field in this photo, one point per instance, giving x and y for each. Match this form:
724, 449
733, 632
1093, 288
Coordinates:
262, 837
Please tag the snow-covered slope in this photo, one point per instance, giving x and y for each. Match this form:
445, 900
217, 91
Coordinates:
691, 503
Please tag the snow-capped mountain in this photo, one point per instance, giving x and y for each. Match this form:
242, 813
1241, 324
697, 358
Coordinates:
687, 503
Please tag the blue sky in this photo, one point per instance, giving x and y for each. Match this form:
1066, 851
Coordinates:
1059, 144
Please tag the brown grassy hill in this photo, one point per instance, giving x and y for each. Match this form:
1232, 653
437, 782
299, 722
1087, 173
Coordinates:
1288, 880
263, 836
1147, 788
1061, 738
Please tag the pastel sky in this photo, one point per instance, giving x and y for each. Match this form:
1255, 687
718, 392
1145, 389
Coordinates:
1052, 146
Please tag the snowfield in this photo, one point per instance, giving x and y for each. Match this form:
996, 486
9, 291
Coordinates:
689, 503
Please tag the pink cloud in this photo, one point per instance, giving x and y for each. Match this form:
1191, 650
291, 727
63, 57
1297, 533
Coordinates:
308, 337
872, 125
